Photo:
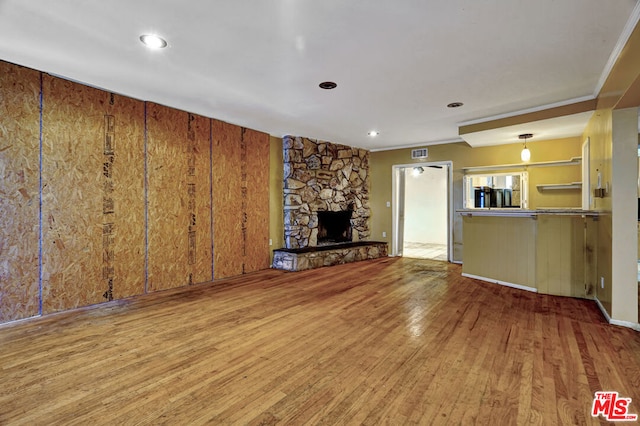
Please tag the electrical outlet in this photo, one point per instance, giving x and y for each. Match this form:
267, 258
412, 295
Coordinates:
601, 282
384, 234
270, 242
388, 203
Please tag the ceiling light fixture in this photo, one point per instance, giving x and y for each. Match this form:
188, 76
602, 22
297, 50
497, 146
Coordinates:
328, 85
525, 155
153, 41
455, 105
373, 133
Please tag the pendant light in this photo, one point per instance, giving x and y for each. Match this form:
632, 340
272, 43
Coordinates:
525, 155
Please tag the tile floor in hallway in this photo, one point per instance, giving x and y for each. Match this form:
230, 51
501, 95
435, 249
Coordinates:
424, 251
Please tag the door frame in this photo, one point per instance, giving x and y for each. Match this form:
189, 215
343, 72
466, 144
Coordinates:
397, 197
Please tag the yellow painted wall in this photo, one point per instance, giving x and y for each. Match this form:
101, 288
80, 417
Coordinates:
599, 133
276, 195
462, 155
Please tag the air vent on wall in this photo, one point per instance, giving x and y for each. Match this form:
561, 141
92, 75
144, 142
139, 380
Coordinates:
419, 153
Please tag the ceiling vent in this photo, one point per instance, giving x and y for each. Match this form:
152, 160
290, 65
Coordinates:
419, 153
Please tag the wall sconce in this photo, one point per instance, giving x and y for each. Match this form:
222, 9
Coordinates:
525, 155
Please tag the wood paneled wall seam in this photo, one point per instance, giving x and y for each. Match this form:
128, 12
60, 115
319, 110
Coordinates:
104, 197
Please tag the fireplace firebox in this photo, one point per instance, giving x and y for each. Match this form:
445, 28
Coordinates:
334, 227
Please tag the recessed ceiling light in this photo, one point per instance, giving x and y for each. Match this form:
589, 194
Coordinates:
153, 41
373, 133
455, 105
328, 85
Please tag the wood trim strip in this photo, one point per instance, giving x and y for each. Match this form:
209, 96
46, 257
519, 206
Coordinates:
560, 111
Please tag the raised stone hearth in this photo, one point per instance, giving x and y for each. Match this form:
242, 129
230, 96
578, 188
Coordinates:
336, 254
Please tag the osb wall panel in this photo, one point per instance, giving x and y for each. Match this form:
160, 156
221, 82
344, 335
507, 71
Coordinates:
19, 192
228, 239
124, 248
256, 145
71, 196
202, 270
92, 203
179, 218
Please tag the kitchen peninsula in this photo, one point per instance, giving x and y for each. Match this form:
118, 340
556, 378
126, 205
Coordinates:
550, 251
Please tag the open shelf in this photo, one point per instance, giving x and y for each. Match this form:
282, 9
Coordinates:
556, 186
574, 161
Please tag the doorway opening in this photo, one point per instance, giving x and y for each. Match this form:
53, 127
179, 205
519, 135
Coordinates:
422, 210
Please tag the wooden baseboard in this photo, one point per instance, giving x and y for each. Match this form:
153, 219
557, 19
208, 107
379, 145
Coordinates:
628, 324
504, 283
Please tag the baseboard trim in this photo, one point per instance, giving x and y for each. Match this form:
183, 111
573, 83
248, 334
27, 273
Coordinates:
504, 283
628, 324
602, 309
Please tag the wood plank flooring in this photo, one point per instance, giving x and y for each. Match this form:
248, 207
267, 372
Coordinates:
389, 341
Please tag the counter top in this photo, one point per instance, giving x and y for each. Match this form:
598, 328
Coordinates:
526, 213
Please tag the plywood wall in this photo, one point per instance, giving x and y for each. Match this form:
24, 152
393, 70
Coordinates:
72, 199
178, 153
19, 192
240, 199
92, 202
202, 226
228, 239
131, 199
256, 156
124, 125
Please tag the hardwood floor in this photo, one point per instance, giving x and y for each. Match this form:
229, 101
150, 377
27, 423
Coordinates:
394, 340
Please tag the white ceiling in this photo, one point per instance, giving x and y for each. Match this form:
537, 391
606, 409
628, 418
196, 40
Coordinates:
397, 63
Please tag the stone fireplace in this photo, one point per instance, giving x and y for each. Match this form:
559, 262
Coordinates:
326, 206
325, 185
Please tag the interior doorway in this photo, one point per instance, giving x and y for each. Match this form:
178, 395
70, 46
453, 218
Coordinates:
422, 210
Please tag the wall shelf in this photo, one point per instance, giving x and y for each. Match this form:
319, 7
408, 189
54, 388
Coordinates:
556, 186
574, 161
